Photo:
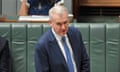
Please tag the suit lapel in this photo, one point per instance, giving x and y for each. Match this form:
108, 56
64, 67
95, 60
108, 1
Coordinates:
73, 45
54, 45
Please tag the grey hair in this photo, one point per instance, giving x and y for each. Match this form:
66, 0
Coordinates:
58, 9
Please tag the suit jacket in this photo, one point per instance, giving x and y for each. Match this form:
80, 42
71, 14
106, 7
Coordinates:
4, 55
49, 58
45, 6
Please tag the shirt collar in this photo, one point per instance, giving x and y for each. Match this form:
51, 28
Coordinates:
58, 37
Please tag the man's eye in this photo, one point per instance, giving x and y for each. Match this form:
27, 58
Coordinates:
59, 24
65, 22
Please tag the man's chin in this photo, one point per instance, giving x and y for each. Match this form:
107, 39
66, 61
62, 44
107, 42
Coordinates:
63, 34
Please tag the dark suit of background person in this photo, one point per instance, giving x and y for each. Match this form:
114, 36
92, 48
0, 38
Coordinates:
48, 54
4, 55
36, 7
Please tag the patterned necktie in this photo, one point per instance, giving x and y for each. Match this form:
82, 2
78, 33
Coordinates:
68, 55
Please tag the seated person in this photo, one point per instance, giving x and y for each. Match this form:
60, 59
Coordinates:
4, 55
36, 7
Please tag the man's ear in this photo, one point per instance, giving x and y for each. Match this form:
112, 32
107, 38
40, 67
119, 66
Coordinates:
50, 22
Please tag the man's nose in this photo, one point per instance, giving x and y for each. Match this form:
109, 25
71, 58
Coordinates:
63, 26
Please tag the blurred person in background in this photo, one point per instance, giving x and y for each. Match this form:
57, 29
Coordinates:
4, 55
36, 7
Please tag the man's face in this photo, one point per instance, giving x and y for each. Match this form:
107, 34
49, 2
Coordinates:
60, 24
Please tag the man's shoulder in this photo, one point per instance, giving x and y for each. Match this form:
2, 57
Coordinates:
45, 36
74, 29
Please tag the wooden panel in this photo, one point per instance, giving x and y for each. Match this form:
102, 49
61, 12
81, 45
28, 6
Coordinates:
75, 8
99, 3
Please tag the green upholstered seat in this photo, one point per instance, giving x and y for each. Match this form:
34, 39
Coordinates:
102, 41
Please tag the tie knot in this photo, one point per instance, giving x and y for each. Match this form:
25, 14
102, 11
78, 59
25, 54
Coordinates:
63, 39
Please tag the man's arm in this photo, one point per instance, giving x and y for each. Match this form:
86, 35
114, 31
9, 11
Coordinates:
5, 58
24, 8
41, 59
85, 62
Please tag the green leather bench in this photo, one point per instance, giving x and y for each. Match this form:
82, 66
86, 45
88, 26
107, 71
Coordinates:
102, 41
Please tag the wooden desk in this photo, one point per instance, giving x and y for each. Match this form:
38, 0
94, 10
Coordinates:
35, 19
8, 19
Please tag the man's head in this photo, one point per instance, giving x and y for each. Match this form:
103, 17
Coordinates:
59, 19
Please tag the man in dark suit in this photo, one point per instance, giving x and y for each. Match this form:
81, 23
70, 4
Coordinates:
4, 55
36, 7
50, 53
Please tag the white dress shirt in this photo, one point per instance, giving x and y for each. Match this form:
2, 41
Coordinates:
58, 38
